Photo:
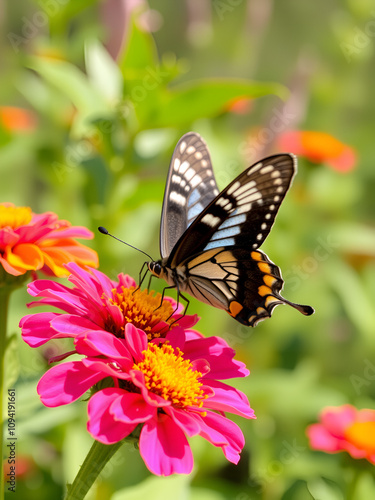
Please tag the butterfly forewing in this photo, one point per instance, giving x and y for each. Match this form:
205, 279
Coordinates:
243, 213
190, 187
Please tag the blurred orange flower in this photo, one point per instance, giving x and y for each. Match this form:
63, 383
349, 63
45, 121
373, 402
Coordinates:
240, 105
319, 147
29, 242
345, 428
17, 119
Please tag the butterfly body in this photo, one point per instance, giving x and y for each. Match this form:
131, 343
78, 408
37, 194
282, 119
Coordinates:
209, 240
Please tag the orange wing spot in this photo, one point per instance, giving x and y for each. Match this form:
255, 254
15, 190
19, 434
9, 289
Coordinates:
269, 280
271, 300
264, 267
261, 311
264, 290
256, 256
235, 308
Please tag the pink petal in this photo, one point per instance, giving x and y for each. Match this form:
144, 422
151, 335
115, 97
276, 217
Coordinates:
65, 383
108, 368
228, 399
345, 162
71, 232
151, 398
44, 288
102, 424
8, 237
136, 340
164, 447
73, 324
202, 366
336, 420
184, 420
62, 297
219, 355
176, 337
36, 328
321, 439
86, 281
366, 415
106, 284
125, 281
101, 343
132, 408
222, 432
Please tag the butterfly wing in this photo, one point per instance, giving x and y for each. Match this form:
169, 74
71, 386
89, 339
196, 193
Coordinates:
218, 252
190, 187
243, 213
245, 284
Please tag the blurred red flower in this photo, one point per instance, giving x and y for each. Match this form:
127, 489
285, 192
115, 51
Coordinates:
319, 147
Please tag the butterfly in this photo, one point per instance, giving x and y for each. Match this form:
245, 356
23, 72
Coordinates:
209, 240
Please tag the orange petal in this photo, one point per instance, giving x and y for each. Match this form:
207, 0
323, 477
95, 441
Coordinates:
77, 252
54, 258
362, 435
15, 271
25, 256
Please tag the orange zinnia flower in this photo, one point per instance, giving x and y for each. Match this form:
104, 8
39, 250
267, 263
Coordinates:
319, 147
31, 241
345, 428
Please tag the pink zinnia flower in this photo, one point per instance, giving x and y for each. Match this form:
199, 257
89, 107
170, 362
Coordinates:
29, 242
160, 375
345, 428
319, 147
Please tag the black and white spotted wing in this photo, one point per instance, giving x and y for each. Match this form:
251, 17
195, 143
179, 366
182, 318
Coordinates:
190, 187
214, 255
243, 213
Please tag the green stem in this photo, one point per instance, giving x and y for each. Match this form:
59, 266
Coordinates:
352, 486
96, 459
4, 302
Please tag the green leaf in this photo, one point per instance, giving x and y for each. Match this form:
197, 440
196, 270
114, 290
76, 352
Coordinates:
102, 71
140, 51
356, 301
157, 488
75, 85
199, 99
320, 488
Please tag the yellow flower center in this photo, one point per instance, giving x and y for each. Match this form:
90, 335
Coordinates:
171, 376
362, 435
14, 216
143, 309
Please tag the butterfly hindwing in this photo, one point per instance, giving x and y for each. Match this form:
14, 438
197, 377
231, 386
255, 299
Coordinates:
190, 187
245, 284
243, 213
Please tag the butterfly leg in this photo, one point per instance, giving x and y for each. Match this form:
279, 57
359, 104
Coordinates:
141, 278
149, 282
179, 294
162, 298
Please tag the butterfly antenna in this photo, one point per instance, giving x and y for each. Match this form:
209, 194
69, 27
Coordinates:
103, 230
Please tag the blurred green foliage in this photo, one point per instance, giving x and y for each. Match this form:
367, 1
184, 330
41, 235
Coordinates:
98, 155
